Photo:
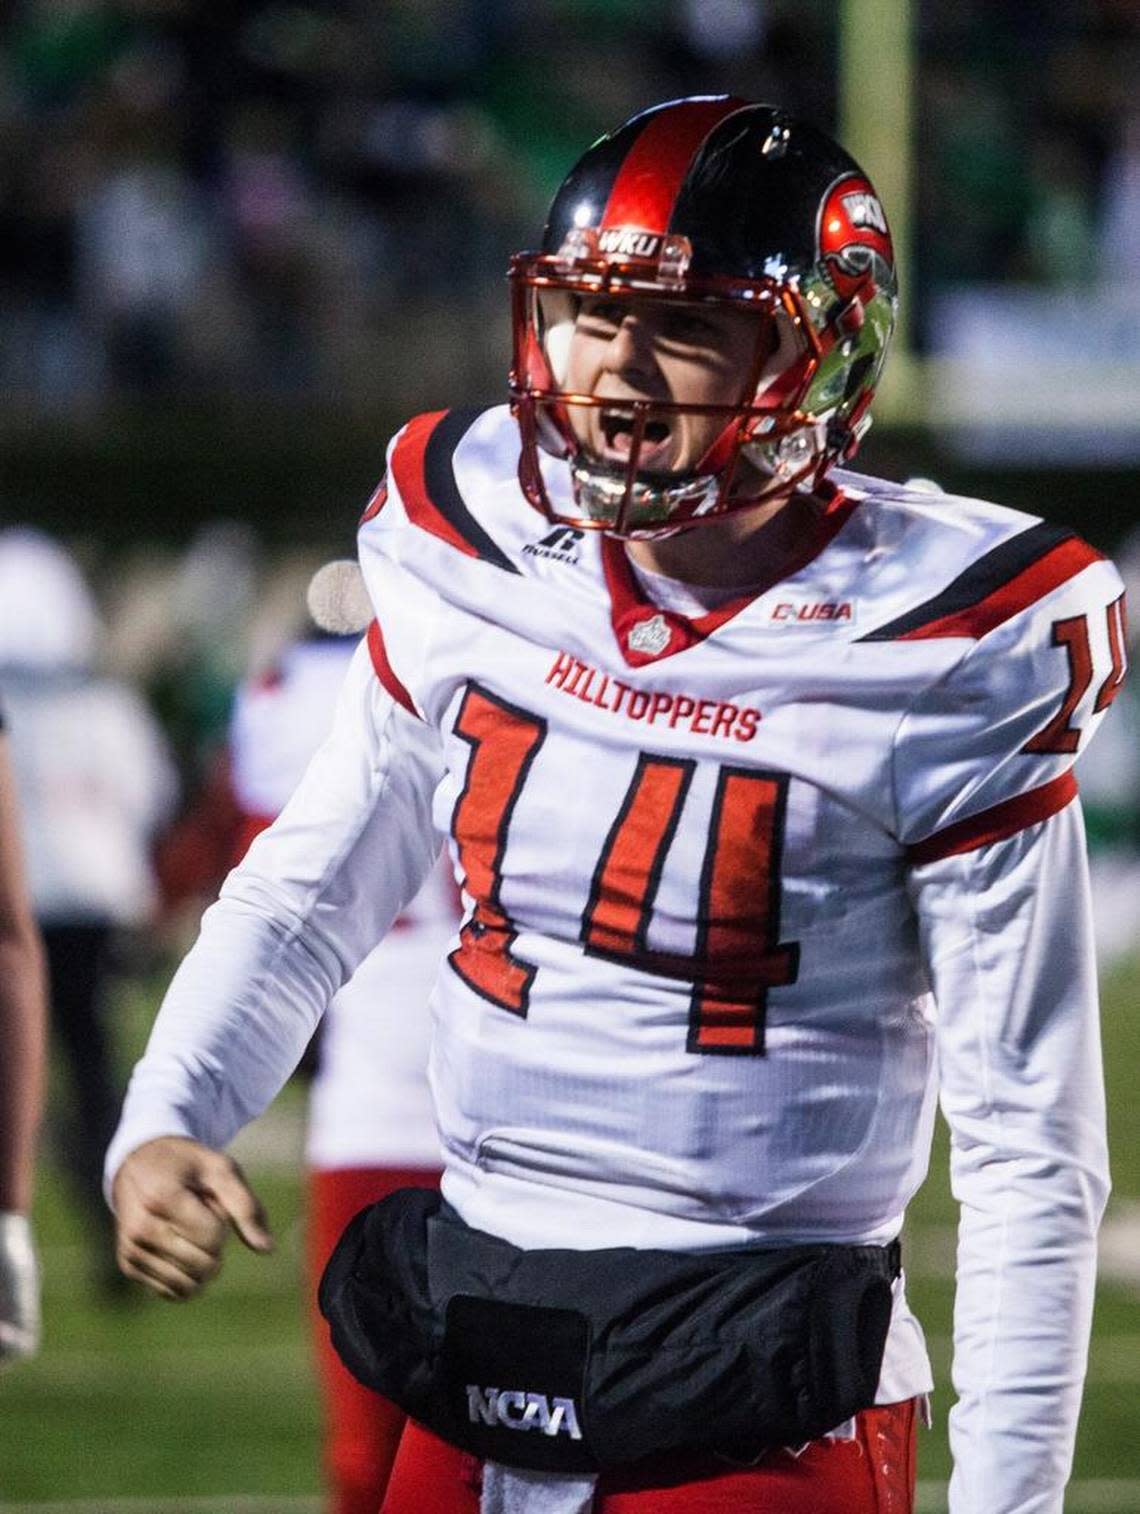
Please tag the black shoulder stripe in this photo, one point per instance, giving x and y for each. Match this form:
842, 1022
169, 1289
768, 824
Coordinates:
978, 581
443, 491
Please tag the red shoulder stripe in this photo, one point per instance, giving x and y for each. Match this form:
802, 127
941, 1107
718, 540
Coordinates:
998, 823
1007, 579
650, 178
408, 473
383, 670
423, 473
1022, 590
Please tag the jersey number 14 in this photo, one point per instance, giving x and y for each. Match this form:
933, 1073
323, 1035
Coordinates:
1060, 735
738, 955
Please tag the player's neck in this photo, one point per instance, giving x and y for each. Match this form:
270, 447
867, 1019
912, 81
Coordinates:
742, 550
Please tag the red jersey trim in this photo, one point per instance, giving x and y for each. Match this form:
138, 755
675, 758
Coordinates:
997, 824
630, 607
376, 503
1006, 580
656, 166
408, 476
383, 670
1023, 590
422, 471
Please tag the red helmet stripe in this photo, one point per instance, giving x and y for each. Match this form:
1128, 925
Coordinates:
650, 178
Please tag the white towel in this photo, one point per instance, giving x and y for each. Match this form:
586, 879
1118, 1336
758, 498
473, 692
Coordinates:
511, 1490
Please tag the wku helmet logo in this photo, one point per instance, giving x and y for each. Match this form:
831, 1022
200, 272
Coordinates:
628, 242
854, 243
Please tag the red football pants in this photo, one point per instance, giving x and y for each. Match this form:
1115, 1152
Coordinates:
361, 1429
872, 1474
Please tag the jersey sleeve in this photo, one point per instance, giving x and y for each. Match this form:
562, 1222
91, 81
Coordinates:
989, 748
1006, 933
315, 892
405, 606
999, 880
418, 526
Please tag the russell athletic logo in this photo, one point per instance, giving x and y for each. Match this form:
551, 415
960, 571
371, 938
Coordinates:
561, 545
512, 1409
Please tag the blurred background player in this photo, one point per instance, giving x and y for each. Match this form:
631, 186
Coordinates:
95, 783
370, 1127
23, 1021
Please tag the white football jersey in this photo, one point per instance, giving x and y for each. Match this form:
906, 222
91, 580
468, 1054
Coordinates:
730, 880
688, 844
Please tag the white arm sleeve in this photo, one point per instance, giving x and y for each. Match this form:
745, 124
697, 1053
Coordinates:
1007, 936
314, 894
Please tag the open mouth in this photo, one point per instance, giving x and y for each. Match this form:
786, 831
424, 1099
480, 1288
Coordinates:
617, 438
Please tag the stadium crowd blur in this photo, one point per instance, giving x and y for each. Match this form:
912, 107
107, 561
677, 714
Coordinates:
276, 201
212, 196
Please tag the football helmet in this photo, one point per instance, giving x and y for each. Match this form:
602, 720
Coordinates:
706, 200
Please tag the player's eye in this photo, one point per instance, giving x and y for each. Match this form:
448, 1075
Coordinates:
609, 313
681, 325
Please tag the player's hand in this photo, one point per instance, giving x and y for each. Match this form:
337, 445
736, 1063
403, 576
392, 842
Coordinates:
175, 1202
19, 1289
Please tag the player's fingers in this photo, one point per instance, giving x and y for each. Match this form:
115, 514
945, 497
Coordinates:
226, 1188
199, 1264
146, 1191
160, 1277
192, 1215
188, 1215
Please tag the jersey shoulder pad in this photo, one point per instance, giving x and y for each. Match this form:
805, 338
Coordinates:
423, 531
422, 487
1043, 658
1001, 583
960, 567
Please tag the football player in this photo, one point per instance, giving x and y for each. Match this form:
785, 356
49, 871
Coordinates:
23, 1031
757, 776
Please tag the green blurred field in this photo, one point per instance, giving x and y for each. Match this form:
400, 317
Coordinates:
167, 1409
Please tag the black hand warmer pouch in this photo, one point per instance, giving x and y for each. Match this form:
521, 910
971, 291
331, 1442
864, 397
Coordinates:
574, 1361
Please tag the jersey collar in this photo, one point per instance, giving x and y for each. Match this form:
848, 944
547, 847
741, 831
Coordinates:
645, 632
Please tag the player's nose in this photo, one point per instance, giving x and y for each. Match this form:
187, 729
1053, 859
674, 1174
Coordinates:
630, 351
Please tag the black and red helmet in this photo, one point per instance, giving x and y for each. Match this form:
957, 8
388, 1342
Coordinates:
709, 199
